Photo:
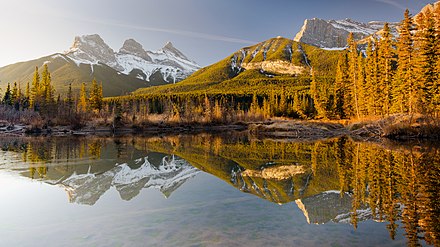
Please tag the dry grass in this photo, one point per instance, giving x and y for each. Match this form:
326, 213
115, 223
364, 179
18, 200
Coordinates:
399, 127
299, 129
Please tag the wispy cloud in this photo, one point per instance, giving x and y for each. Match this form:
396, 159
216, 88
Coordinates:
392, 3
186, 33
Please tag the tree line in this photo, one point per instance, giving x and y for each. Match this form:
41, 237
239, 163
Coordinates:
39, 97
391, 76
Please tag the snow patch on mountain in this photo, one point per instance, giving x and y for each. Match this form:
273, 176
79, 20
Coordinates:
169, 175
171, 63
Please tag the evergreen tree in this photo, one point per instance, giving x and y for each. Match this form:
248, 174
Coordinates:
370, 78
426, 47
361, 86
341, 103
317, 97
385, 50
282, 106
14, 93
47, 91
35, 98
70, 100
95, 98
82, 104
15, 96
352, 90
254, 108
405, 90
7, 98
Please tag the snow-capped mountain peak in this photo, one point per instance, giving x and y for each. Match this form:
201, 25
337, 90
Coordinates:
132, 47
167, 65
169, 48
91, 49
167, 176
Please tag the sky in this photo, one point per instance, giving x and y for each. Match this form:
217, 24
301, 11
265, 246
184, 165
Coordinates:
204, 30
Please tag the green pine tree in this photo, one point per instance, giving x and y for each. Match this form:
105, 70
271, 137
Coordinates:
35, 98
427, 53
341, 105
95, 98
7, 98
386, 56
352, 90
405, 90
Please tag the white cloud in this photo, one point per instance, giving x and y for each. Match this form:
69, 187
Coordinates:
186, 33
392, 3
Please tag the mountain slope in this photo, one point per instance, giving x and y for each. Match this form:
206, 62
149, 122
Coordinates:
333, 34
65, 71
275, 62
122, 72
133, 60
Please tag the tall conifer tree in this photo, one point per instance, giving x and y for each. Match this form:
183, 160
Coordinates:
352, 90
385, 50
341, 82
405, 90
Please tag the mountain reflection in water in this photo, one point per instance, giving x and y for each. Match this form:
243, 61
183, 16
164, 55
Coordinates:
336, 180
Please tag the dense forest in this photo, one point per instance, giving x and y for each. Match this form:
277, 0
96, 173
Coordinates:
389, 76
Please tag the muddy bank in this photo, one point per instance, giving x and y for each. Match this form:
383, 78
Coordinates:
23, 130
397, 127
311, 130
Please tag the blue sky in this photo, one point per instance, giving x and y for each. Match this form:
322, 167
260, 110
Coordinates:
205, 30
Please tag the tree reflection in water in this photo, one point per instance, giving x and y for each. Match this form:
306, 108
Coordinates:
336, 180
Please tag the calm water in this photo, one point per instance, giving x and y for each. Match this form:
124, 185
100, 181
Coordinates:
205, 190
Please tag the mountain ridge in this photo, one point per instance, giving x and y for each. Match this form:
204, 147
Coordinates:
90, 58
170, 62
333, 34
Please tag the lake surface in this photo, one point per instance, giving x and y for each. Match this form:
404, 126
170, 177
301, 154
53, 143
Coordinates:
217, 190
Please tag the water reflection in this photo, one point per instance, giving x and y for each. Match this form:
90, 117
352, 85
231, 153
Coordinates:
330, 181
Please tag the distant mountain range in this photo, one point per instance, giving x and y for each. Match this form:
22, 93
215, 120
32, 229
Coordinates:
133, 67
167, 176
332, 34
120, 72
274, 62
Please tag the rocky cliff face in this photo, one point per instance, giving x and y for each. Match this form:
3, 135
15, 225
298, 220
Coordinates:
168, 64
91, 49
132, 47
333, 34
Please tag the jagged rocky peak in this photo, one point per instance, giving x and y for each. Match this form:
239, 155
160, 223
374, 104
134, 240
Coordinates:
91, 49
133, 47
321, 33
168, 65
169, 48
333, 33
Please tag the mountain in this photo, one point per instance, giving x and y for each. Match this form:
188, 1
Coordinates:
167, 65
333, 34
121, 72
169, 175
331, 206
274, 62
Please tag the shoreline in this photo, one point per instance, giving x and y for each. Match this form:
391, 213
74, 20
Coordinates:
396, 128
